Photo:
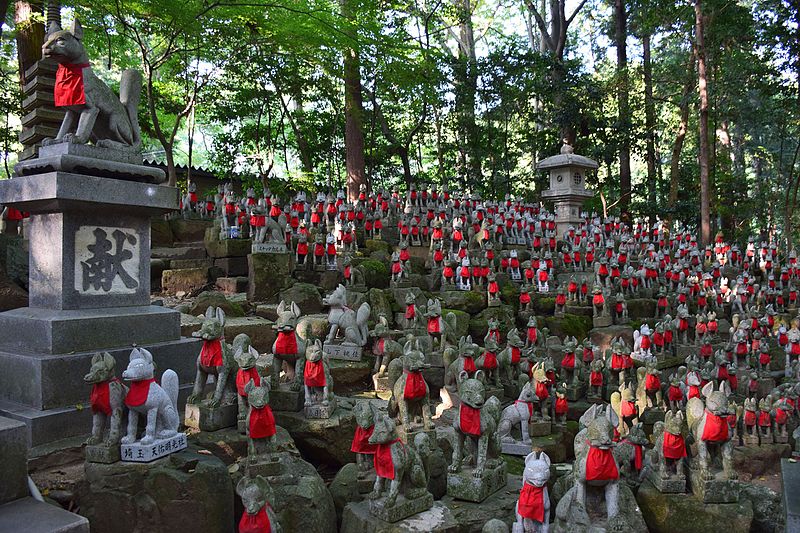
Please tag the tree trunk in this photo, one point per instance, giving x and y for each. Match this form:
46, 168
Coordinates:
623, 101
354, 115
705, 215
30, 37
650, 127
466, 90
677, 146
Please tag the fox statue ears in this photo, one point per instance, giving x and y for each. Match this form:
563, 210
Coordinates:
141, 353
106, 358
532, 457
76, 30
216, 312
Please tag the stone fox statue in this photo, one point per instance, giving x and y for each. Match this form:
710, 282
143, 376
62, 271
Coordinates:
157, 403
352, 324
94, 113
108, 394
215, 359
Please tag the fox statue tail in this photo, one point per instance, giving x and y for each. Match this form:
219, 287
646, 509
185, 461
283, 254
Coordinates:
130, 91
362, 316
169, 382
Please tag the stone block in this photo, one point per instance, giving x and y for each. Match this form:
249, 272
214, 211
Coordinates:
516, 448
33, 516
160, 232
188, 230
186, 280
258, 329
283, 399
342, 352
464, 485
232, 266
403, 507
227, 248
305, 295
14, 466
100, 453
147, 453
59, 332
205, 418
714, 490
539, 428
319, 411
790, 496
268, 275
268, 311
178, 252
669, 485
232, 285
181, 264
215, 299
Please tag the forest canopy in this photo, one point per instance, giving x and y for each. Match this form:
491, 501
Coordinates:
690, 108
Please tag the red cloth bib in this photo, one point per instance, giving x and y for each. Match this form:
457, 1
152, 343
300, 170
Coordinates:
470, 420
411, 312
469, 365
541, 390
415, 386
694, 392
433, 325
628, 409
674, 446
361, 441
561, 406
616, 362
137, 394
515, 355
255, 523
384, 465
763, 419
596, 379
568, 361
99, 399
286, 343
600, 465
531, 502
69, 88
489, 360
314, 374
715, 428
211, 353
652, 382
262, 422
675, 394
532, 334
243, 377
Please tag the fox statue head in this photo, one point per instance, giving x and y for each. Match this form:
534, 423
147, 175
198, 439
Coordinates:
64, 46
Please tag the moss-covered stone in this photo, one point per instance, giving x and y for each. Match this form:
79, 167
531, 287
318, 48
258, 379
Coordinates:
544, 306
374, 245
462, 322
767, 508
190, 230
327, 440
258, 329
268, 275
185, 279
641, 308
478, 324
468, 301
160, 232
509, 294
227, 248
311, 327
380, 304
215, 299
305, 295
381, 256
683, 513
376, 273
569, 325
417, 265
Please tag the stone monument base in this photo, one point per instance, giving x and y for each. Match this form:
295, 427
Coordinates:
408, 436
670, 485
715, 490
540, 428
145, 453
27, 514
205, 418
403, 507
516, 448
576, 391
270, 466
284, 399
465, 486
601, 321
343, 352
100, 453
319, 411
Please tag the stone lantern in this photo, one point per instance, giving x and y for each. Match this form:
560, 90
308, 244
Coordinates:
567, 185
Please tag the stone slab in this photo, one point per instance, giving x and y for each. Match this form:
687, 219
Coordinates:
232, 266
228, 248
58, 191
601, 321
14, 466
403, 508
342, 352
465, 486
517, 448
283, 399
63, 331
32, 516
357, 518
268, 248
790, 496
146, 453
714, 490
540, 428
670, 485
319, 411
99, 453
204, 418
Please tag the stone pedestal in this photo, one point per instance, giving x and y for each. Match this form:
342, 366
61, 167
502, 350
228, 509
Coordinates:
285, 399
403, 507
576, 391
670, 485
268, 467
716, 490
100, 453
408, 435
517, 448
343, 352
14, 466
539, 428
465, 486
318, 411
205, 418
790, 496
601, 321
89, 285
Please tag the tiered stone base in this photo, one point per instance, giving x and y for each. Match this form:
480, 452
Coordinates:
465, 486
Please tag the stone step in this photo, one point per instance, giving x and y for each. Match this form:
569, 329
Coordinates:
14, 467
33, 516
37, 134
179, 252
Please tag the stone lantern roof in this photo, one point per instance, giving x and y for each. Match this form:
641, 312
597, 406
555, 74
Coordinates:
567, 158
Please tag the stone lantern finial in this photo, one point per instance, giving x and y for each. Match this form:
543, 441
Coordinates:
567, 148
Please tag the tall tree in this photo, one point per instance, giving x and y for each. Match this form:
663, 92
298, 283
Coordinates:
704, 153
29, 36
353, 110
623, 102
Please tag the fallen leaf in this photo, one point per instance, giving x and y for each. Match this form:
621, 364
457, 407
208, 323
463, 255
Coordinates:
204, 452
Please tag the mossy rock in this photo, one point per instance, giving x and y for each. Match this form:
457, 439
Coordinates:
570, 325
544, 306
268, 275
380, 304
684, 513
478, 325
376, 273
417, 265
381, 256
216, 299
189, 230
509, 294
374, 245
641, 308
468, 301
305, 295
160, 233
462, 322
